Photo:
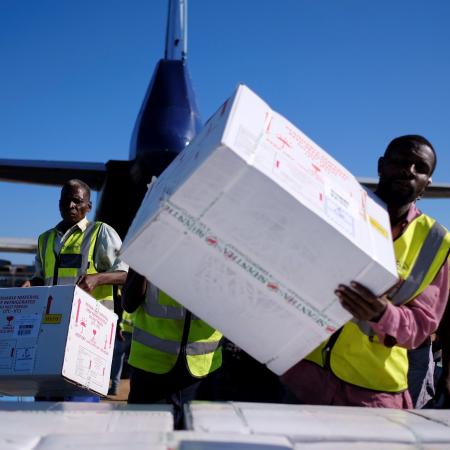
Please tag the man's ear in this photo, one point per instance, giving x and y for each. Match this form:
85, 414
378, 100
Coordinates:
380, 165
90, 205
430, 180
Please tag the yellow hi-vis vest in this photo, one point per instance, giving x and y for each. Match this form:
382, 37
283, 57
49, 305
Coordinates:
75, 258
164, 330
354, 354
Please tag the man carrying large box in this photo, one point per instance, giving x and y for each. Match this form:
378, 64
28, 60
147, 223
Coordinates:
365, 362
80, 252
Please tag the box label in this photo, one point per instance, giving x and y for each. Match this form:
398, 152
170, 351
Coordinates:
90, 344
52, 319
25, 356
27, 325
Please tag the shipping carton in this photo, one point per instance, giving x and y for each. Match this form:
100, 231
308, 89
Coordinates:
54, 341
253, 226
315, 423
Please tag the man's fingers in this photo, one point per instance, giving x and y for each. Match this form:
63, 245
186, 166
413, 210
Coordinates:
366, 294
358, 309
361, 302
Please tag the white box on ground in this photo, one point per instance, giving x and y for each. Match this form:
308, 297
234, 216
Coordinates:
316, 423
253, 226
55, 340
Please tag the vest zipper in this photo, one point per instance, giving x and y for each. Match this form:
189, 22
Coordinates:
326, 352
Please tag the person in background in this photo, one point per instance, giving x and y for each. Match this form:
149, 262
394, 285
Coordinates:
77, 251
172, 351
80, 252
365, 363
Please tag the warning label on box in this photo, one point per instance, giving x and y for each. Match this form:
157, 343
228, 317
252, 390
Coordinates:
27, 325
25, 358
90, 367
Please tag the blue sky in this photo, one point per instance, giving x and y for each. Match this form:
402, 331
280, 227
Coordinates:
352, 74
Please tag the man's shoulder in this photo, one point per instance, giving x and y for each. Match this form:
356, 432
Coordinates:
432, 222
108, 234
104, 226
47, 232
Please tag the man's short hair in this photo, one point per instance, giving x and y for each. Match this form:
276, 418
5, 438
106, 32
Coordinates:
75, 182
410, 141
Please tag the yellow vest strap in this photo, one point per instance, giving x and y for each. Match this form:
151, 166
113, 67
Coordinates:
91, 228
426, 256
427, 253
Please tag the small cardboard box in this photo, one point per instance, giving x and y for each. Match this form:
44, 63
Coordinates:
54, 341
253, 226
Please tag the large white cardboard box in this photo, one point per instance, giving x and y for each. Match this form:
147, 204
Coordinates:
317, 423
55, 341
253, 226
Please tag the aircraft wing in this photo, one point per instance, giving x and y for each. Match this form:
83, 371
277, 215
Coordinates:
435, 190
52, 173
18, 245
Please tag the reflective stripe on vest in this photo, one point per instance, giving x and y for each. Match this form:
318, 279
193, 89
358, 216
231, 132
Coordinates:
192, 348
410, 287
163, 330
78, 243
154, 308
360, 360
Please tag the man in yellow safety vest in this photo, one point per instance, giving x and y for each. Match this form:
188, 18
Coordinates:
365, 363
77, 251
80, 252
172, 351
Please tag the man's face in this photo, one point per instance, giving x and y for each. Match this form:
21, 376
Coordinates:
405, 173
74, 204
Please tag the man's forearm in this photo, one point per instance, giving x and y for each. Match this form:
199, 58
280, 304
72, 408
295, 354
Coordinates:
409, 325
115, 278
133, 292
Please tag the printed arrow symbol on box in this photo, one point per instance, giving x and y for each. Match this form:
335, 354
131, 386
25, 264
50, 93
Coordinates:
49, 304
